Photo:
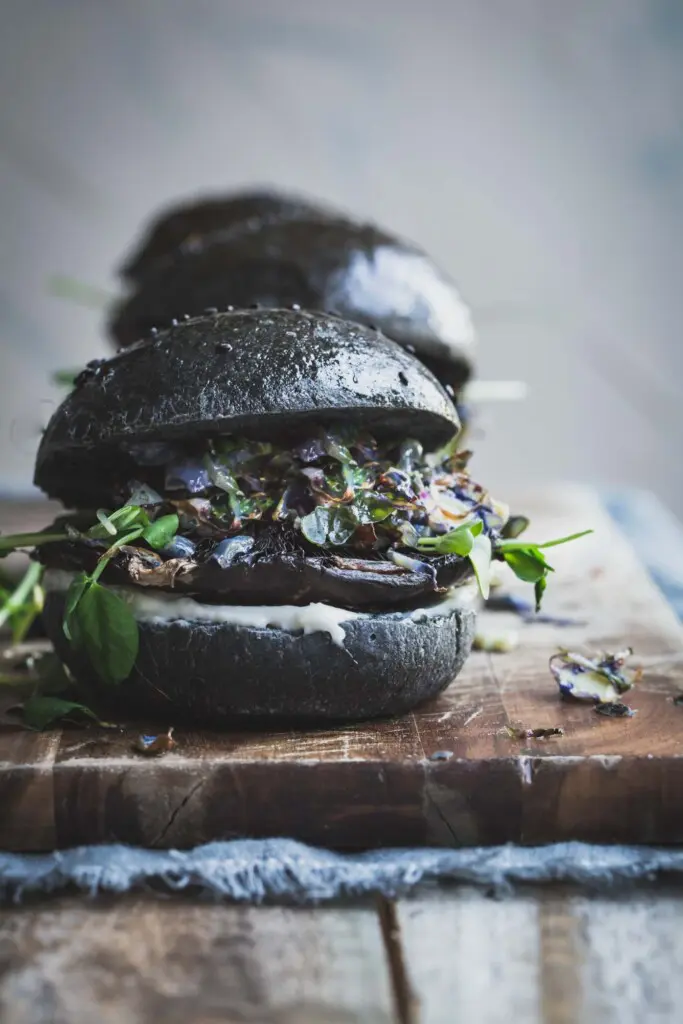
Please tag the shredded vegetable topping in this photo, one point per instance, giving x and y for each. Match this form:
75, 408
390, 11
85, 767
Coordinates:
339, 490
345, 490
336, 488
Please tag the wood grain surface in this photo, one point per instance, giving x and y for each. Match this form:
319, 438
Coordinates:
448, 957
544, 957
139, 959
377, 783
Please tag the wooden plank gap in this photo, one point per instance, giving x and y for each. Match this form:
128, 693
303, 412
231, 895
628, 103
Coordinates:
405, 999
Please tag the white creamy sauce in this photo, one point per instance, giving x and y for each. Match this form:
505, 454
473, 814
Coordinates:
309, 618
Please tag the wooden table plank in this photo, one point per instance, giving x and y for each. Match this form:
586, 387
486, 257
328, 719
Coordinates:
544, 957
28, 783
541, 956
142, 960
377, 783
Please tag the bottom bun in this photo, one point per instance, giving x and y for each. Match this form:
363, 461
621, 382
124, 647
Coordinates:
218, 672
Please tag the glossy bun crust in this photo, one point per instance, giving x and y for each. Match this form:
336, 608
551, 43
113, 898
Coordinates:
275, 251
190, 226
267, 374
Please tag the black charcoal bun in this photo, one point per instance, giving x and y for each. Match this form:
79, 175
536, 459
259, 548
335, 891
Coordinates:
274, 251
258, 373
213, 673
189, 226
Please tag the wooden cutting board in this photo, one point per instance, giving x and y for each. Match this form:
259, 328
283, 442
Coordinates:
378, 783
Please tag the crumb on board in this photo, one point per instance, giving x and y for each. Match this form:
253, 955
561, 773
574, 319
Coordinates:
155, 746
498, 642
614, 710
520, 732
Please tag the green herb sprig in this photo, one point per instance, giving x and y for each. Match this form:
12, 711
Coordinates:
41, 711
23, 541
526, 560
468, 541
96, 620
54, 696
20, 605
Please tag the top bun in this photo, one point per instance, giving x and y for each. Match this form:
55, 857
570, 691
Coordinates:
256, 373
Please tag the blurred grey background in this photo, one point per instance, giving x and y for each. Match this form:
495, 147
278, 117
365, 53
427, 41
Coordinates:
534, 147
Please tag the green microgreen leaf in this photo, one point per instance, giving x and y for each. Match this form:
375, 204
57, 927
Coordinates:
161, 532
128, 516
332, 524
406, 531
342, 525
223, 478
99, 622
336, 449
527, 564
55, 696
108, 633
354, 477
41, 711
468, 541
77, 588
20, 607
372, 508
121, 521
52, 676
315, 526
456, 542
24, 617
106, 522
539, 590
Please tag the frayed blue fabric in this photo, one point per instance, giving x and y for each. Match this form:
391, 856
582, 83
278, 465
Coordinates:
284, 871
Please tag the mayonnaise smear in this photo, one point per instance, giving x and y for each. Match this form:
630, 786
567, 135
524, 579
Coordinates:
309, 618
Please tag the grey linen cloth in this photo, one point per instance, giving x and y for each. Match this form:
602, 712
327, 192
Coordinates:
282, 870
258, 870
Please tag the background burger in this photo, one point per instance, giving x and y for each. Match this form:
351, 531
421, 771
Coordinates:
277, 250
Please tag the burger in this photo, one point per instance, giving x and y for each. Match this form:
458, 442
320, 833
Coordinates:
271, 521
274, 250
